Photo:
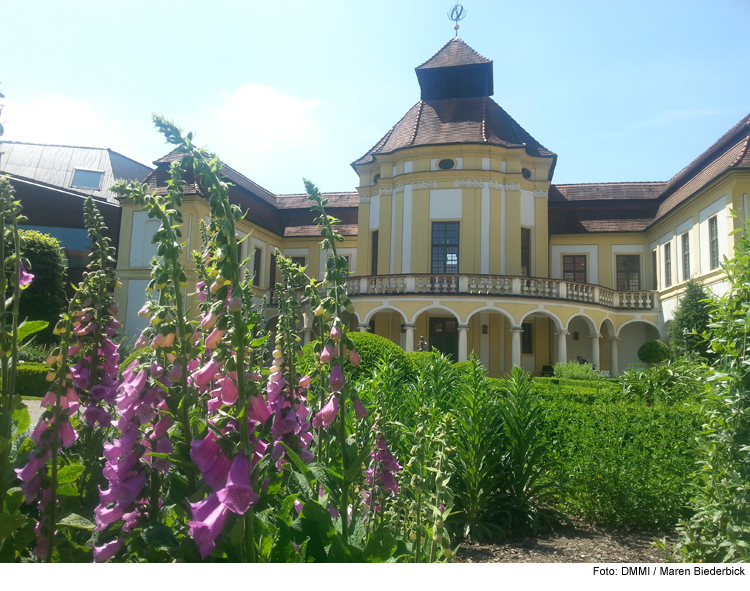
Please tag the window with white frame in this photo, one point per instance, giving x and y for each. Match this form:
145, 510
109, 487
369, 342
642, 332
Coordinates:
685, 239
713, 241
668, 264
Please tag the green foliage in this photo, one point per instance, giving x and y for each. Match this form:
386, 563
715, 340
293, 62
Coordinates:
464, 366
654, 352
576, 371
691, 320
480, 495
681, 380
31, 379
618, 465
418, 360
371, 348
719, 530
44, 298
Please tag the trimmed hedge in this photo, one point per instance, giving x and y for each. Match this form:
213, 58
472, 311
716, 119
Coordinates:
371, 349
31, 379
418, 360
44, 298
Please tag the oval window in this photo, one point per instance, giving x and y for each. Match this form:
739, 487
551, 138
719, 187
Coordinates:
526, 173
446, 164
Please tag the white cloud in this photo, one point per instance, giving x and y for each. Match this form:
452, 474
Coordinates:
58, 120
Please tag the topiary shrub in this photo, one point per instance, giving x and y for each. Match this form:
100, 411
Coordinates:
464, 366
31, 379
371, 349
691, 320
44, 298
654, 352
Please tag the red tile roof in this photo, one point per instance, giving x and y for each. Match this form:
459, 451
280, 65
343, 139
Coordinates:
300, 200
343, 229
460, 121
606, 191
454, 53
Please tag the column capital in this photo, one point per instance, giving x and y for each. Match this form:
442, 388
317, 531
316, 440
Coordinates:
407, 325
463, 327
596, 335
362, 327
516, 329
614, 338
563, 333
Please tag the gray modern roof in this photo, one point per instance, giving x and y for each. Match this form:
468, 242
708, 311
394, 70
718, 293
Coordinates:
55, 165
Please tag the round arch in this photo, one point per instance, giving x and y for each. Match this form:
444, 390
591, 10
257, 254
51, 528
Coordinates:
586, 318
500, 311
382, 308
431, 307
555, 319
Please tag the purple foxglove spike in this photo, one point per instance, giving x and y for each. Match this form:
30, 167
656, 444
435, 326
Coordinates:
73, 349
162, 426
304, 382
114, 324
238, 494
213, 404
49, 399
388, 482
336, 334
216, 475
175, 373
359, 408
235, 304
253, 376
208, 321
163, 446
333, 511
130, 389
156, 370
204, 452
31, 488
107, 551
389, 462
145, 311
214, 338
327, 414
36, 434
298, 506
103, 516
336, 379
33, 466
259, 410
354, 358
229, 393
327, 354
204, 375
305, 456
110, 331
258, 453
208, 520
141, 341
25, 277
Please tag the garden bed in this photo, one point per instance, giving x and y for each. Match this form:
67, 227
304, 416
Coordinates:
582, 543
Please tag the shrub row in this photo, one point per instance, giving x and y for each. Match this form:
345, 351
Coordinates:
31, 379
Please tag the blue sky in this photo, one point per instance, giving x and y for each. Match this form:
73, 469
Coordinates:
285, 89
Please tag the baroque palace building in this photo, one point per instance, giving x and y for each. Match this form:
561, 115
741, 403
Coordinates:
457, 234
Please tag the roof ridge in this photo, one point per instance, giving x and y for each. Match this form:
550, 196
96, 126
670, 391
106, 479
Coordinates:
111, 151
610, 183
416, 123
455, 39
742, 152
55, 145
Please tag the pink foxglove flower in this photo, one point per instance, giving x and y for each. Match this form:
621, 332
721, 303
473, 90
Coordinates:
304, 382
145, 312
229, 393
238, 495
354, 358
336, 378
209, 516
327, 354
214, 338
359, 408
327, 414
107, 551
235, 304
208, 321
205, 374
336, 334
25, 277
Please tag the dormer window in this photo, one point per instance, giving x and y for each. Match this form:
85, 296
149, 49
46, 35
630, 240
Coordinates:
87, 179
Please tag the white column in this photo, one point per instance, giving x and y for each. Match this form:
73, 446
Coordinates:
614, 370
515, 354
463, 342
595, 351
362, 327
562, 346
409, 338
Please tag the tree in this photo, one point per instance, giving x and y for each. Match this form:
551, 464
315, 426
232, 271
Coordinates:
691, 320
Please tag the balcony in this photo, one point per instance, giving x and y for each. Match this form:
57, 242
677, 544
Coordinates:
501, 286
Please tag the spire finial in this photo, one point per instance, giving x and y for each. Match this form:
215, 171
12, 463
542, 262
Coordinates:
456, 14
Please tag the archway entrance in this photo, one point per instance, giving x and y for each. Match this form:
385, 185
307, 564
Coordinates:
444, 336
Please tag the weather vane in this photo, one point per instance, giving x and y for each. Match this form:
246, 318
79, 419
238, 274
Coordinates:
456, 14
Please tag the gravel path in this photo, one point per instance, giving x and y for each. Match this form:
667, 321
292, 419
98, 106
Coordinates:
35, 410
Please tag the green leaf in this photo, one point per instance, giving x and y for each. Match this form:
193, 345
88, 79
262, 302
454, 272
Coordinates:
68, 490
9, 524
161, 537
22, 418
77, 522
13, 500
29, 328
381, 546
69, 473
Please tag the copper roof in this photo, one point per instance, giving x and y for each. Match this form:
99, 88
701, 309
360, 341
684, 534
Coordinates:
460, 121
454, 53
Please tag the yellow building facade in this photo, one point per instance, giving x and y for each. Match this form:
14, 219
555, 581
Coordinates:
457, 235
